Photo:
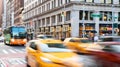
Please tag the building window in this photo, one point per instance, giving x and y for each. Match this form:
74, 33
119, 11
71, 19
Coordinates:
91, 18
105, 16
53, 19
58, 2
68, 16
102, 1
109, 16
119, 1
86, 15
82, 0
80, 14
39, 21
59, 19
91, 1
43, 22
119, 16
101, 12
54, 3
48, 20
67, 1
109, 1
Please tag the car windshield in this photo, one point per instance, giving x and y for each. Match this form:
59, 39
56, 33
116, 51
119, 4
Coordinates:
44, 37
49, 36
54, 47
18, 32
81, 40
112, 48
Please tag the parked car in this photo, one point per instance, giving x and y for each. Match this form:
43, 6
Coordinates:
50, 53
45, 37
82, 45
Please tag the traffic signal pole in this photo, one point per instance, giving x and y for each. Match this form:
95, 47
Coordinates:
112, 21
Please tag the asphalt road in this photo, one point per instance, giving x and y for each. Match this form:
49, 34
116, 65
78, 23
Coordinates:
12, 56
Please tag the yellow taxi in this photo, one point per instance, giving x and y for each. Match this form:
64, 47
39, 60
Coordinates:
50, 53
82, 45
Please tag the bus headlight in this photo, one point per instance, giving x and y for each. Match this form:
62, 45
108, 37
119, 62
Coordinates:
12, 40
24, 40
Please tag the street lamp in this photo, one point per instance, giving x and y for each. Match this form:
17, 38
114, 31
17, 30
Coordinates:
112, 21
83, 18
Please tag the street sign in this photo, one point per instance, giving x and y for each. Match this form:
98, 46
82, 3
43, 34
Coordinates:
96, 15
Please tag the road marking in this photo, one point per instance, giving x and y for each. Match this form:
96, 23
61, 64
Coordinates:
2, 64
5, 51
12, 51
18, 50
23, 49
16, 61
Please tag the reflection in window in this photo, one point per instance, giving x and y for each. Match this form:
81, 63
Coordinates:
109, 1
82, 0
102, 1
89, 0
119, 16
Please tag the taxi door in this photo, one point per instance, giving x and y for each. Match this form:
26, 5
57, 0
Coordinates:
32, 54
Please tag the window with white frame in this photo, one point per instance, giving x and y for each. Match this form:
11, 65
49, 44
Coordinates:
109, 1
91, 1
102, 1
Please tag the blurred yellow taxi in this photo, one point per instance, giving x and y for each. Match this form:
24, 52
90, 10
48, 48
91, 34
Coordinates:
50, 53
82, 45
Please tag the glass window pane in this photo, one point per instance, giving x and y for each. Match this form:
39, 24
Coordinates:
82, 0
102, 1
108, 1
89, 0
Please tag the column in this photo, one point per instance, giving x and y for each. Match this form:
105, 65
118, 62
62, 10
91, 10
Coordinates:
96, 20
56, 19
75, 23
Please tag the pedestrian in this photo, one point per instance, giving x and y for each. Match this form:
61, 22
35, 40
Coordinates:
96, 38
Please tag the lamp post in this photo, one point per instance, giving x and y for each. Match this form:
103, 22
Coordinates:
112, 21
83, 18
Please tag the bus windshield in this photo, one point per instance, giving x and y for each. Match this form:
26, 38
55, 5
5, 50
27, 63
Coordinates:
18, 32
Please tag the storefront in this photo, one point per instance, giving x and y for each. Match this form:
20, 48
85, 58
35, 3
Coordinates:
89, 27
42, 30
59, 32
52, 31
47, 30
105, 29
66, 30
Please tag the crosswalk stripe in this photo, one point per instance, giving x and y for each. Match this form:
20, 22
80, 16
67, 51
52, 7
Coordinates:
2, 64
23, 49
18, 50
5, 51
12, 51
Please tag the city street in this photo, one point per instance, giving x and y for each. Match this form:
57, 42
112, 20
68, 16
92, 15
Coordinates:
12, 56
